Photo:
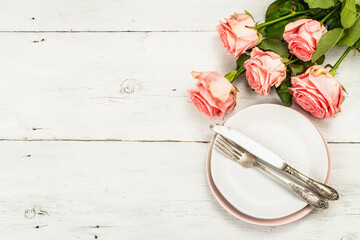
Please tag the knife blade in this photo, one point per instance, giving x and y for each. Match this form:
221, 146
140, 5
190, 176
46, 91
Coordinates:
250, 145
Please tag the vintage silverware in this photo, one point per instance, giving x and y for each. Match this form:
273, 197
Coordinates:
246, 159
274, 160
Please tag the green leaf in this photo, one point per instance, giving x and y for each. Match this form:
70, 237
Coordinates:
289, 6
275, 6
334, 22
356, 1
352, 35
281, 8
357, 44
319, 15
230, 76
278, 28
320, 60
240, 61
274, 45
283, 92
307, 65
321, 3
284, 7
348, 13
296, 69
327, 42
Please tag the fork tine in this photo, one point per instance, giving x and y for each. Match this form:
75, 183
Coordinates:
231, 145
224, 150
235, 145
230, 141
229, 148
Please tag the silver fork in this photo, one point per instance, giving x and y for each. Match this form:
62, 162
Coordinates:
246, 159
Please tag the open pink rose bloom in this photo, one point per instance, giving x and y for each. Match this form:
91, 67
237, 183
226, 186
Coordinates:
303, 35
317, 92
214, 95
263, 70
237, 34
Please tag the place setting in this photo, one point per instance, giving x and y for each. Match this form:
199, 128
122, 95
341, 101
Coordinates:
269, 164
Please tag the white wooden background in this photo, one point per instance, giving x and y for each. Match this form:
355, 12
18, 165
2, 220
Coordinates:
99, 140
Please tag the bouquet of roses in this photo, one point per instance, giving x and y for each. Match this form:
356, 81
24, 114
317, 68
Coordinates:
286, 52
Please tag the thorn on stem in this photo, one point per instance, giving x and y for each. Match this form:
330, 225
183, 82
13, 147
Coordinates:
329, 65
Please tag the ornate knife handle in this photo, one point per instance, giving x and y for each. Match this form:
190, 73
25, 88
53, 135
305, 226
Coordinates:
312, 198
324, 190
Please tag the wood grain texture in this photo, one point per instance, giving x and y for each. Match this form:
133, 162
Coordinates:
112, 190
94, 83
124, 15
128, 86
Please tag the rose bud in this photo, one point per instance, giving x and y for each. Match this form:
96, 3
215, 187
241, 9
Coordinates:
303, 35
238, 34
214, 95
263, 70
317, 92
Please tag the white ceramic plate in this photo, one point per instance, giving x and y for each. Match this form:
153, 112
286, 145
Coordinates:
288, 134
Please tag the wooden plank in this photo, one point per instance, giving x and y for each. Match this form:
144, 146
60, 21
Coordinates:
127, 86
116, 190
124, 15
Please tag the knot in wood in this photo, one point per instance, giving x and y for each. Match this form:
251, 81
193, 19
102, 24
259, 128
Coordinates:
129, 86
30, 213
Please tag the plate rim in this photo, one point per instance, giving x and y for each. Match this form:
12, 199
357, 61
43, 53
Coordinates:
247, 218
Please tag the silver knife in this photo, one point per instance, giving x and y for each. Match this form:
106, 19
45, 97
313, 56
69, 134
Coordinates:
265, 154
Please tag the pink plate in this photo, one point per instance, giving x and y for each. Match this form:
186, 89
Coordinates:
258, 221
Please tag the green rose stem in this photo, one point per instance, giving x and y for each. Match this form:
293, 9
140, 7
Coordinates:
290, 62
292, 14
333, 69
330, 13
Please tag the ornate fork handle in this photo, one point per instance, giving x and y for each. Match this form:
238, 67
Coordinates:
312, 198
324, 190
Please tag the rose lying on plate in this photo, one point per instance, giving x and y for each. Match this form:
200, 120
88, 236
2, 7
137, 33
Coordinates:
317, 92
214, 95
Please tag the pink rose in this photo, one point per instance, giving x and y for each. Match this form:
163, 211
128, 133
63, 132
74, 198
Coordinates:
317, 92
263, 70
214, 95
303, 36
237, 34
